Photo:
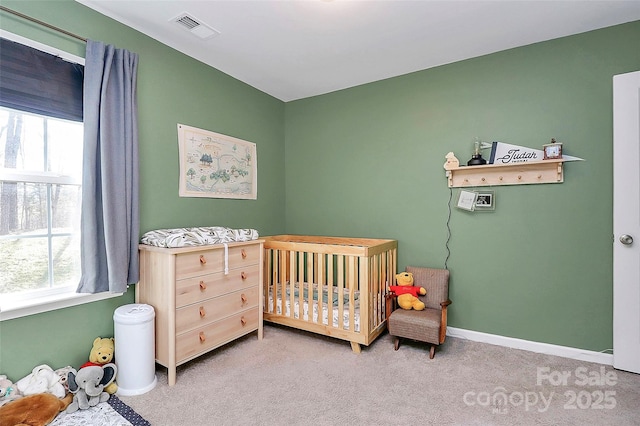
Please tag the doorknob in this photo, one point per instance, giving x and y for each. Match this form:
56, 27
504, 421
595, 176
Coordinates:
626, 239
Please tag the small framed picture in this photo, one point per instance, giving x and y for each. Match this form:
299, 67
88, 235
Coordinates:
486, 201
467, 200
552, 150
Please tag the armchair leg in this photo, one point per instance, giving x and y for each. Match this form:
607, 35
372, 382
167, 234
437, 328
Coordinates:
396, 343
432, 351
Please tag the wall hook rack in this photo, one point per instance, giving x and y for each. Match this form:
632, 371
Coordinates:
525, 173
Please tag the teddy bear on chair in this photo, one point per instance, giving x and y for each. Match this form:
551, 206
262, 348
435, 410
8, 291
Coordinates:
408, 293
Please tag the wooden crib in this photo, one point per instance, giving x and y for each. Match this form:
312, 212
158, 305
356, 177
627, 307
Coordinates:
329, 285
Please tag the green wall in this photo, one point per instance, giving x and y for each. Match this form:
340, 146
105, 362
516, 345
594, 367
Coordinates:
368, 161
172, 88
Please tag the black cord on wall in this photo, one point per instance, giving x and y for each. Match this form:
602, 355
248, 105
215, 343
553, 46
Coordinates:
446, 260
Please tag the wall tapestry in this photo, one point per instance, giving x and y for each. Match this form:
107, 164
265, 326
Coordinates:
216, 165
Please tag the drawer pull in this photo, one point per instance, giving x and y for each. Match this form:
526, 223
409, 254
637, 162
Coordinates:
203, 260
202, 337
202, 312
243, 297
243, 275
244, 254
243, 321
203, 285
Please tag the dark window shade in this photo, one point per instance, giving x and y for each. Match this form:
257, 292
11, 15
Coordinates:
38, 82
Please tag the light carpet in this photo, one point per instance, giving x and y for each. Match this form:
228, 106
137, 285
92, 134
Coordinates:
298, 378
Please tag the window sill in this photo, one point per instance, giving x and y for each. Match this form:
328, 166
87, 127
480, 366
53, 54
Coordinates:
19, 309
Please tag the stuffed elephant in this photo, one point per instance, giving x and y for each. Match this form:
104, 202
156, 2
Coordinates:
87, 385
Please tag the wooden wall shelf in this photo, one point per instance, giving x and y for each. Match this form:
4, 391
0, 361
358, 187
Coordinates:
546, 171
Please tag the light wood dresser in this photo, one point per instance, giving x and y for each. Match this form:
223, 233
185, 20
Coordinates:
199, 306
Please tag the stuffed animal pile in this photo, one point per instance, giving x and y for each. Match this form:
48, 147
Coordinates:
37, 399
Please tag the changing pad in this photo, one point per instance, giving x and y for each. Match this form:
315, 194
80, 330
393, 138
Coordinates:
184, 237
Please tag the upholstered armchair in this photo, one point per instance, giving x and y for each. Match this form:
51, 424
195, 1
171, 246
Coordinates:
430, 324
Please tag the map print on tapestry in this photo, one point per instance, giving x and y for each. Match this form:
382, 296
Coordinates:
216, 165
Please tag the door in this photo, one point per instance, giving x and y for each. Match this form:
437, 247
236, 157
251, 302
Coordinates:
626, 222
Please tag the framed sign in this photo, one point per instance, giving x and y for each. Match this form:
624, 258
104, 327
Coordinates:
215, 165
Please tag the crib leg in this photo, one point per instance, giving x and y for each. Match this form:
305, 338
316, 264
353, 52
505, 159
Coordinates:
355, 347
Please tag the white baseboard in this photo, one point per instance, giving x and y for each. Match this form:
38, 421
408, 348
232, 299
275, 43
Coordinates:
528, 345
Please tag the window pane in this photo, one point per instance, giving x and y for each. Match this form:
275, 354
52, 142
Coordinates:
65, 147
66, 260
22, 147
37, 143
65, 208
24, 208
23, 264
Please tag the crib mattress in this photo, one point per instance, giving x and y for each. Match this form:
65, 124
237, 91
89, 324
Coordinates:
335, 314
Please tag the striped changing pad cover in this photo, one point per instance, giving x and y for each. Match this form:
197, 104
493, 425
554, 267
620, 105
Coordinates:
185, 237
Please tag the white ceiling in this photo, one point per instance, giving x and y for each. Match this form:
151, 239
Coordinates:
299, 48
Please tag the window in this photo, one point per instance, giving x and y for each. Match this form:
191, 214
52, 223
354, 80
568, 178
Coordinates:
41, 172
41, 139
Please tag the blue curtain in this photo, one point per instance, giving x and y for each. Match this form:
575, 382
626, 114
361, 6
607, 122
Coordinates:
110, 219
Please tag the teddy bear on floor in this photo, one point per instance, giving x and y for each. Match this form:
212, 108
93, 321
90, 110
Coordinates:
101, 354
408, 293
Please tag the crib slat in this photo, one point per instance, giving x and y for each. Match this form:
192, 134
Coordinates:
375, 284
320, 287
330, 286
270, 279
295, 277
365, 296
310, 281
284, 278
352, 286
340, 260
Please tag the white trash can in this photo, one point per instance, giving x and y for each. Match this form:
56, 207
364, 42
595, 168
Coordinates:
134, 335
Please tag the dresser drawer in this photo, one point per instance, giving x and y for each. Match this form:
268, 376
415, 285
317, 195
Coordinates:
196, 263
202, 339
201, 314
193, 290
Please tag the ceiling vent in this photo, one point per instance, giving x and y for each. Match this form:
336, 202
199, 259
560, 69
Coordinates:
195, 27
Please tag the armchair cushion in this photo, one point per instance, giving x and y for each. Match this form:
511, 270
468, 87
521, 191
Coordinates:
423, 326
